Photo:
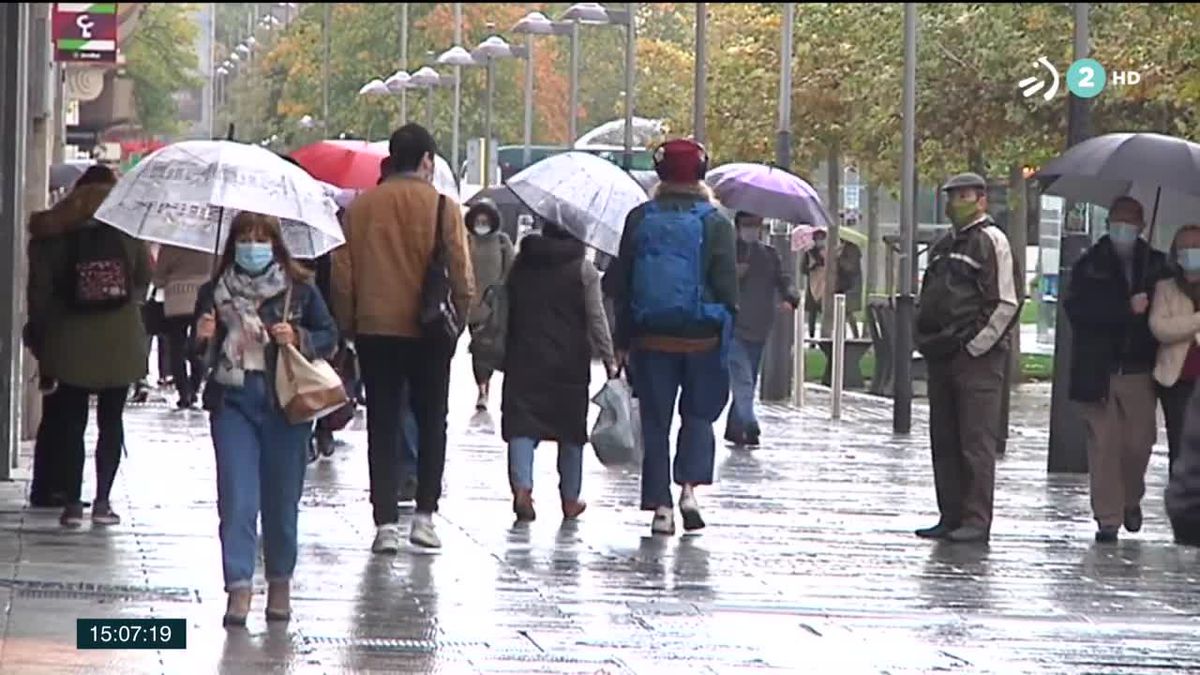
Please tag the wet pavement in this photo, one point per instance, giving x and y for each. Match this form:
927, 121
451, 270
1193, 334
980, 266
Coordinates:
808, 565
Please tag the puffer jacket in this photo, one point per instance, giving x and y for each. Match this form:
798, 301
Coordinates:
91, 350
971, 295
492, 256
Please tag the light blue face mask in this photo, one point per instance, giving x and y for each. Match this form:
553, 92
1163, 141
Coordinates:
1123, 233
1189, 260
254, 256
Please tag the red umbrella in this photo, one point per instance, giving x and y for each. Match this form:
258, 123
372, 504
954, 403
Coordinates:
346, 164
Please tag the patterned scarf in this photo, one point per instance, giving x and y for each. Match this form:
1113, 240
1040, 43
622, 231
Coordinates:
238, 298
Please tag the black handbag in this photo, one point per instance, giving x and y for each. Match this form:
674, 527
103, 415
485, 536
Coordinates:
439, 318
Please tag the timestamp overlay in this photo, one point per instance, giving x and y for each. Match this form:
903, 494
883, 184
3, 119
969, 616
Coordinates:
130, 634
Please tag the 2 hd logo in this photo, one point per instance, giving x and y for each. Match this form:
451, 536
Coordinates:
1086, 78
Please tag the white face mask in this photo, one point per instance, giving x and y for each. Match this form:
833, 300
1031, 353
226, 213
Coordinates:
483, 229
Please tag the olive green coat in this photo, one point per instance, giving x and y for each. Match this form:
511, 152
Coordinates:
93, 350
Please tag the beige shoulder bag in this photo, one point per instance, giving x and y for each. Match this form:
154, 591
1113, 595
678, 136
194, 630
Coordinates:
307, 390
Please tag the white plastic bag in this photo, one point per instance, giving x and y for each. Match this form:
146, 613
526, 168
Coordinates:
617, 435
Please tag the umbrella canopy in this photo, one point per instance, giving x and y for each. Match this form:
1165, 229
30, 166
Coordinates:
586, 195
769, 192
1161, 172
63, 176
187, 193
347, 164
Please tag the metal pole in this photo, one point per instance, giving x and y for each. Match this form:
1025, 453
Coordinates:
700, 102
777, 361
429, 108
798, 353
1068, 440
404, 61
834, 242
527, 155
325, 31
457, 90
839, 355
573, 112
630, 64
902, 403
487, 124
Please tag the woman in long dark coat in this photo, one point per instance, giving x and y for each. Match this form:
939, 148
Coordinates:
556, 325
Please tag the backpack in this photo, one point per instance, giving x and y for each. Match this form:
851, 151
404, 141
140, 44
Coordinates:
98, 275
667, 293
489, 335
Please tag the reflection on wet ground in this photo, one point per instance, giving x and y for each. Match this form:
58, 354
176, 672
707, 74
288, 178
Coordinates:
808, 565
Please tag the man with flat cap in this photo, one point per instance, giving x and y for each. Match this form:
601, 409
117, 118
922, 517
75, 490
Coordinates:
970, 300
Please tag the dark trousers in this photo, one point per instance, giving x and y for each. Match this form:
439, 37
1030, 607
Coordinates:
1174, 403
965, 396
186, 369
59, 453
388, 365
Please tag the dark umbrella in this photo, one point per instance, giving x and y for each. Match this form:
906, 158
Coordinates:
63, 176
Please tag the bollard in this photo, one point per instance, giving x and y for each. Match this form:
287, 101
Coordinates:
798, 355
839, 353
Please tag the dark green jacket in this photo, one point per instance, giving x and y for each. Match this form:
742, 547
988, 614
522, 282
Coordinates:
92, 350
720, 264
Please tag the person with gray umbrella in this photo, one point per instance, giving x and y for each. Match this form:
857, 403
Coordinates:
1113, 355
970, 301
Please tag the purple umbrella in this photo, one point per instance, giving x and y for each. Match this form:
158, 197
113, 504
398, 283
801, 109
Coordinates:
769, 192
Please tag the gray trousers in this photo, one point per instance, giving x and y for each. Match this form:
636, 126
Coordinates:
1121, 431
965, 395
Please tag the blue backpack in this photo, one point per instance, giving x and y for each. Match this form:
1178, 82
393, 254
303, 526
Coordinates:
668, 275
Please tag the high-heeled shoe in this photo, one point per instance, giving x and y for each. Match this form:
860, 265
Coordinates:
279, 604
237, 608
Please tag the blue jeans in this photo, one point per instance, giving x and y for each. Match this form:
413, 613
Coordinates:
745, 357
408, 436
570, 467
701, 383
261, 460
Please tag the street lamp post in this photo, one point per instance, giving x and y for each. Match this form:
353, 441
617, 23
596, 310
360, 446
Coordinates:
487, 53
457, 90
426, 78
902, 401
535, 23
596, 14
701, 91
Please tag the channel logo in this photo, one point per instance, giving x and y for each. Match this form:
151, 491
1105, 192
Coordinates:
1032, 85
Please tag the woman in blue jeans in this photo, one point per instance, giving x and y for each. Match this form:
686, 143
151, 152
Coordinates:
260, 455
556, 324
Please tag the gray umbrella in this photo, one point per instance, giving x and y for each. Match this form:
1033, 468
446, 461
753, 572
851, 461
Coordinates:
63, 176
1161, 172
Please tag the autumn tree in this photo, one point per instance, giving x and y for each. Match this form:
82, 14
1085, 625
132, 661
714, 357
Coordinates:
160, 58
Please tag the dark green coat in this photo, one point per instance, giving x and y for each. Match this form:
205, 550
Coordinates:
94, 350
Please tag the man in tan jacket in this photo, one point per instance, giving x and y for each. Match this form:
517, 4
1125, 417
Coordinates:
377, 281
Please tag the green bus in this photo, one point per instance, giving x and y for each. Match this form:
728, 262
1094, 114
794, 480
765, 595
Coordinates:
512, 157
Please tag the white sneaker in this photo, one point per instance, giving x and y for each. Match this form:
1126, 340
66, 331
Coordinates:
664, 521
387, 539
690, 510
423, 534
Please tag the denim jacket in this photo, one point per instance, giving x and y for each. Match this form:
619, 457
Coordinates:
310, 318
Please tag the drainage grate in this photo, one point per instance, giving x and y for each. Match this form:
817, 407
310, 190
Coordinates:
392, 644
75, 590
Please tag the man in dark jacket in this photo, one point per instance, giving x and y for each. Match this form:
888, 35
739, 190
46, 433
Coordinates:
970, 300
674, 288
1112, 358
765, 288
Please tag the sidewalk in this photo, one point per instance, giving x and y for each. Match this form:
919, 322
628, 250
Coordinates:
808, 566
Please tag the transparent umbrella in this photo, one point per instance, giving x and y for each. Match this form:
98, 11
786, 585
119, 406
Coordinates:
586, 195
187, 193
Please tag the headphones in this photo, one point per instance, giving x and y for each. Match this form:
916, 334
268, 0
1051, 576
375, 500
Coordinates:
660, 154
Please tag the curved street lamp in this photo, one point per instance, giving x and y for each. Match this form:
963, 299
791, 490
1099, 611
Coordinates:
487, 53
592, 13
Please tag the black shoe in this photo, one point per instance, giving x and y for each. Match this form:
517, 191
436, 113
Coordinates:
1133, 519
186, 402
938, 531
1107, 535
736, 439
752, 435
325, 445
141, 394
312, 451
72, 515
